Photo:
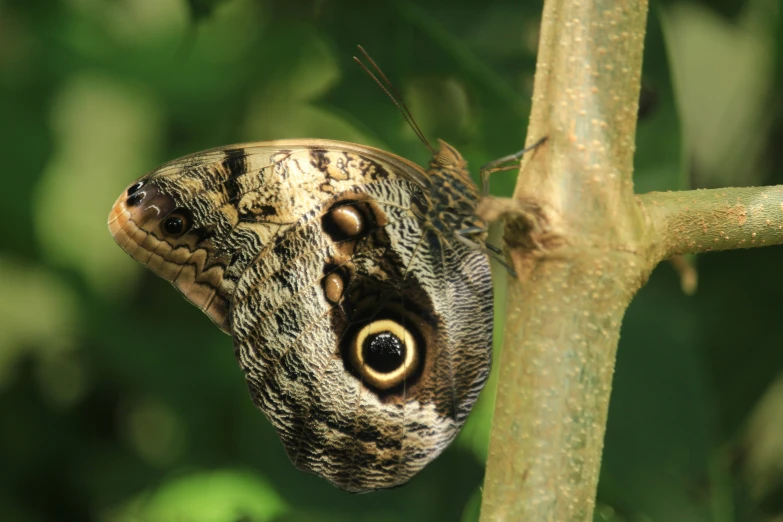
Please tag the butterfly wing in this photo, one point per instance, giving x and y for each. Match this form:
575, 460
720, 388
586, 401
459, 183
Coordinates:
232, 201
362, 326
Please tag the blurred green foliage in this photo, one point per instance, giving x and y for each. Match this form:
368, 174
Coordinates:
121, 403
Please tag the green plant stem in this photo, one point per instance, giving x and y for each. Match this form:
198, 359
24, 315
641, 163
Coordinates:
565, 310
582, 244
696, 221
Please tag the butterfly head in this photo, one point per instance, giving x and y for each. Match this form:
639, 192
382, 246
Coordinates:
455, 195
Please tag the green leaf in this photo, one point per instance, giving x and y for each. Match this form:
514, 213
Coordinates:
107, 135
39, 315
217, 496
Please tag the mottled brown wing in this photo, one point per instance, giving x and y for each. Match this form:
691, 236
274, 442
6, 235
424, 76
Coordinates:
232, 201
362, 323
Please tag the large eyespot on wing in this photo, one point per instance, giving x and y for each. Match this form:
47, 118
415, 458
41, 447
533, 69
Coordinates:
384, 353
352, 343
149, 226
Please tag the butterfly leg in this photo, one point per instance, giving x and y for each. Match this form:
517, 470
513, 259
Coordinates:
489, 249
498, 165
468, 231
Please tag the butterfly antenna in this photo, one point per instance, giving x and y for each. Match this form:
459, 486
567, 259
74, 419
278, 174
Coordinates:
393, 95
393, 89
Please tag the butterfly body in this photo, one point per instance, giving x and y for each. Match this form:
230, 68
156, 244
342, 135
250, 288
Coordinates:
361, 315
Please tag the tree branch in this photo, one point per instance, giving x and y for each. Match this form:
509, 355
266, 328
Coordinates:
582, 243
698, 221
580, 273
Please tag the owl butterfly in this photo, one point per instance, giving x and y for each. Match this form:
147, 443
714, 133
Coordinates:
352, 283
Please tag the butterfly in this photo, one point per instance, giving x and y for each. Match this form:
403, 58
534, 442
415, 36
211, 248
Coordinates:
355, 285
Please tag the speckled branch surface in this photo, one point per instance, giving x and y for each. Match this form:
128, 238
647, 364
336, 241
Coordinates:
582, 244
565, 310
696, 221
